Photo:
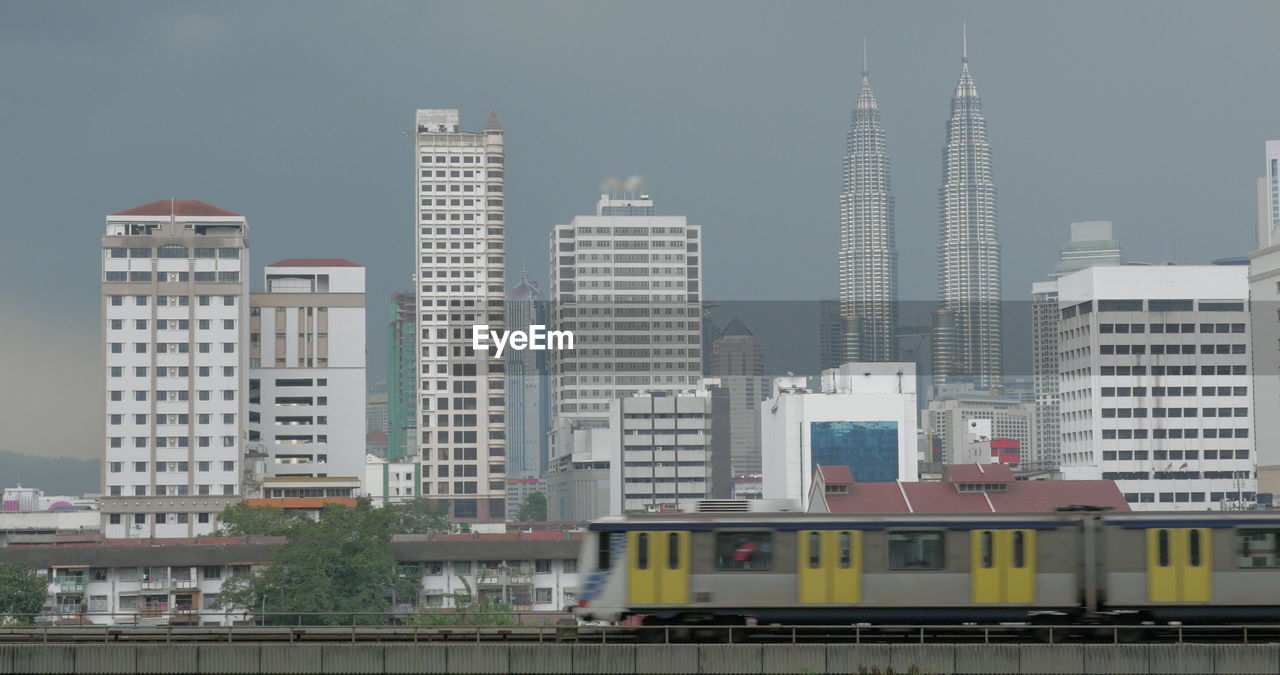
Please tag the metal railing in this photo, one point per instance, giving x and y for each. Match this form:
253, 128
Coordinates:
538, 627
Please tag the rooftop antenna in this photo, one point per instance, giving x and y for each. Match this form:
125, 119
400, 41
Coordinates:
964, 40
864, 54
172, 211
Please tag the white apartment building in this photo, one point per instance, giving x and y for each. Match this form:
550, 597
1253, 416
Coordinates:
174, 311
661, 459
460, 238
863, 417
388, 481
1156, 384
307, 368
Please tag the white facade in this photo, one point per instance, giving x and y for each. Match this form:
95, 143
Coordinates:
1269, 198
460, 258
307, 368
1264, 309
1142, 350
662, 456
387, 481
175, 308
875, 393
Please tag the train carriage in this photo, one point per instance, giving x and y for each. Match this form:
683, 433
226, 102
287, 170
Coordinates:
821, 568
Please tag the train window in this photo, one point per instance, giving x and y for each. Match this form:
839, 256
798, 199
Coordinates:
918, 550
1019, 549
1194, 545
642, 551
673, 551
1162, 544
988, 557
1258, 548
815, 550
846, 550
603, 553
748, 551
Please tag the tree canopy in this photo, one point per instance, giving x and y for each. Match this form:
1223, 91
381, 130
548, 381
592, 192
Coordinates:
534, 509
22, 591
340, 565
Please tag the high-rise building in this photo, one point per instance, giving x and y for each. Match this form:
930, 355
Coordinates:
1092, 244
830, 335
1264, 306
868, 259
950, 417
737, 360
460, 257
175, 309
527, 397
627, 283
402, 378
307, 368
1269, 198
968, 244
1156, 384
863, 417
662, 454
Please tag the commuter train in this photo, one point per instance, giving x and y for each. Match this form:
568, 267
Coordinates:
832, 569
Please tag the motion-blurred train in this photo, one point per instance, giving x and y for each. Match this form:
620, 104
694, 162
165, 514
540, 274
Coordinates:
806, 568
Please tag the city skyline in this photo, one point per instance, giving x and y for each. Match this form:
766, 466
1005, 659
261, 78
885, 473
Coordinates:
908, 82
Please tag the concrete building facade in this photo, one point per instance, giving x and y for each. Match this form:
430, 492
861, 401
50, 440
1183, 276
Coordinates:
174, 314
307, 400
1156, 384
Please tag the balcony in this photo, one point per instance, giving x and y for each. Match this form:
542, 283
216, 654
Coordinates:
71, 585
182, 584
150, 584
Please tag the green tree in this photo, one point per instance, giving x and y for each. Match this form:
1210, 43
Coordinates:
22, 591
421, 516
340, 565
242, 520
534, 509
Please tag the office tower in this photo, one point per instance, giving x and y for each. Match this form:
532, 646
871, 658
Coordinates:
1264, 304
661, 450
460, 245
737, 360
402, 379
527, 395
868, 259
862, 417
1092, 244
1269, 198
1156, 384
375, 412
626, 282
307, 368
968, 246
174, 308
830, 335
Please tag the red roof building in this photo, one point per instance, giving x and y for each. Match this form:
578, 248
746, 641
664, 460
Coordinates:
965, 488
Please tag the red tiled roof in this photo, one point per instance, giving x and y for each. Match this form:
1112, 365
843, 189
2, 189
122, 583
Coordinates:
979, 473
835, 475
180, 207
314, 262
944, 497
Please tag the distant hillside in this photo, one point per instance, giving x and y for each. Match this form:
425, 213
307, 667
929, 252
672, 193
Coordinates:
53, 475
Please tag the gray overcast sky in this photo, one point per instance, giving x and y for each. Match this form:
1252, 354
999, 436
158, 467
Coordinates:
1151, 114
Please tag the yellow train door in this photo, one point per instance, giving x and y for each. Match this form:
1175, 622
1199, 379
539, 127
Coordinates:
1003, 566
1179, 564
658, 567
830, 564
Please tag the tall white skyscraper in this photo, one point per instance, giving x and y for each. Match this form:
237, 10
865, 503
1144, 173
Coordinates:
968, 245
1269, 198
174, 308
460, 238
1156, 379
868, 259
307, 368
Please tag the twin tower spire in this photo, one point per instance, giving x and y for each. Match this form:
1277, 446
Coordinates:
967, 330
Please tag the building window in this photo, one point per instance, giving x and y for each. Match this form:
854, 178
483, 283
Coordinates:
916, 551
747, 551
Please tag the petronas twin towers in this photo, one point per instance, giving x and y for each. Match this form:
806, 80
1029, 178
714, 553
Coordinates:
967, 322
